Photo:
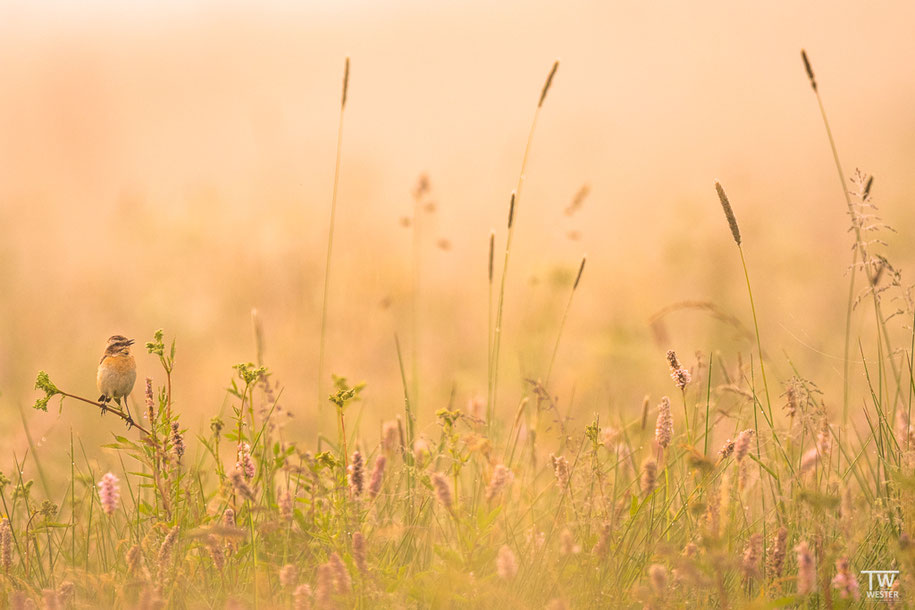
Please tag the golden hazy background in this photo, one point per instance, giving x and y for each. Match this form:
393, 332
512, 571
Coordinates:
170, 165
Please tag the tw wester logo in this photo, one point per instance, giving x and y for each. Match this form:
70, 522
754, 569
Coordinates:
882, 589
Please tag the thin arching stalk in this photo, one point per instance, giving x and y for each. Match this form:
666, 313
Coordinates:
881, 322
562, 324
330, 233
515, 201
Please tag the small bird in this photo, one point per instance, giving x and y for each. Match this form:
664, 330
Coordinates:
117, 372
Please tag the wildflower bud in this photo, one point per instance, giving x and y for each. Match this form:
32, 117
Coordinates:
809, 459
288, 575
742, 445
356, 474
342, 581
608, 437
177, 442
726, 450
603, 542
506, 563
845, 580
389, 436
109, 493
442, 489
150, 403
324, 589
51, 601
165, 556
777, 552
657, 576
301, 598
501, 477
377, 477
6, 545
791, 401
359, 551
244, 462
649, 476
561, 471
216, 552
66, 592
284, 503
133, 559
751, 554
237, 479
806, 569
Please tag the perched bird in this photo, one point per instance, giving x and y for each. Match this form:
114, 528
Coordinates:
117, 371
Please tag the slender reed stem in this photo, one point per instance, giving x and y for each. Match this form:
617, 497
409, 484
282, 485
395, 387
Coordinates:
515, 201
881, 322
330, 233
562, 323
762, 364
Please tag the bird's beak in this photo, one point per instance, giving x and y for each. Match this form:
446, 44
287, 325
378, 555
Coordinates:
130, 342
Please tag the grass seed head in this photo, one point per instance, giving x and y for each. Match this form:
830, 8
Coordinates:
217, 554
726, 450
51, 600
742, 444
751, 555
809, 69
664, 427
177, 443
289, 574
389, 436
6, 545
66, 591
166, 551
377, 477
301, 598
649, 476
237, 478
150, 403
561, 470
657, 575
728, 212
343, 584
345, 83
324, 587
284, 503
359, 551
442, 489
356, 474
501, 478
679, 374
777, 550
549, 81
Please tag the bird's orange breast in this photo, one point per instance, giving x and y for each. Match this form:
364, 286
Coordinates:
119, 363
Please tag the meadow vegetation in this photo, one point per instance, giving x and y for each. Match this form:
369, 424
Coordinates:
731, 488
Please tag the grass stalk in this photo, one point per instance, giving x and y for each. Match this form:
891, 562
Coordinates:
330, 235
515, 202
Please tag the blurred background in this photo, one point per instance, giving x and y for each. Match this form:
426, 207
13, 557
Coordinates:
170, 165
